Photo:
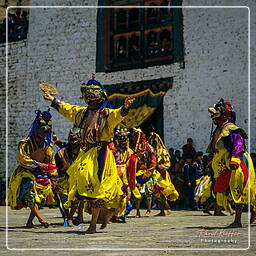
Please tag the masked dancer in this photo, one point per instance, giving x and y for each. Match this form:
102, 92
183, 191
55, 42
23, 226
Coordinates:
64, 158
93, 175
31, 183
232, 165
164, 190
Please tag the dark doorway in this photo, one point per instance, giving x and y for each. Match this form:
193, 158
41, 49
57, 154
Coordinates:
155, 123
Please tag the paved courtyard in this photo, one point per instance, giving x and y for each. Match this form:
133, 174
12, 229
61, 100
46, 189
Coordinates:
175, 234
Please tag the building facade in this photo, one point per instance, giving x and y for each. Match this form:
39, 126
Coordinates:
64, 47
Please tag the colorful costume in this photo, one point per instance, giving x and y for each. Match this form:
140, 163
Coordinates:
28, 183
203, 189
123, 153
228, 146
65, 157
93, 175
142, 166
163, 187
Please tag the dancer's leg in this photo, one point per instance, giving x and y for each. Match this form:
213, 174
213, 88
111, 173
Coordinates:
95, 215
30, 223
230, 209
148, 202
161, 205
167, 206
217, 210
107, 216
253, 214
80, 214
137, 205
71, 213
36, 212
237, 222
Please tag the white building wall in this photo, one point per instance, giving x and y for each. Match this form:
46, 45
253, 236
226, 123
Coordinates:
61, 50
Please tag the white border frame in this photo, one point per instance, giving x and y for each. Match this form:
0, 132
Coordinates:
127, 249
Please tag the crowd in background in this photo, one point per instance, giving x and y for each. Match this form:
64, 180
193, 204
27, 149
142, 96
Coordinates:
187, 166
17, 26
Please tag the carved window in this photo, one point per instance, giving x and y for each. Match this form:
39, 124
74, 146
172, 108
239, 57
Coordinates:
136, 37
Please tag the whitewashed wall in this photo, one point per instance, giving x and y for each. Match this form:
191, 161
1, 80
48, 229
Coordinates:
61, 50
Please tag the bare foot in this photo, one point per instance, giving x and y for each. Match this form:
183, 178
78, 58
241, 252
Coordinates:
70, 223
235, 225
232, 212
45, 223
31, 225
169, 212
91, 230
160, 214
147, 214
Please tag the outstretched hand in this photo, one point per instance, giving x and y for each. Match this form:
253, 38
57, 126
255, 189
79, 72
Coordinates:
48, 96
128, 101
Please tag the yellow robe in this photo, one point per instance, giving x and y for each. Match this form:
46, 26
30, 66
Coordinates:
26, 156
203, 189
239, 188
163, 179
83, 173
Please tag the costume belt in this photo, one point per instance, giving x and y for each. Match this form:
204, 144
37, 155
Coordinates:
99, 144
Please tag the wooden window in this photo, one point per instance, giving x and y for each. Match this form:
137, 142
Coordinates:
130, 38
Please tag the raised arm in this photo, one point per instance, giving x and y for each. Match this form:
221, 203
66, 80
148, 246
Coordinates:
67, 110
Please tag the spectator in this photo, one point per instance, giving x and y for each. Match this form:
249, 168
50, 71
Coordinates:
198, 165
24, 25
177, 154
171, 151
175, 159
188, 148
17, 27
190, 182
205, 161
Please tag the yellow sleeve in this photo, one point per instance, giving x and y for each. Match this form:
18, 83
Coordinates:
114, 119
72, 112
23, 156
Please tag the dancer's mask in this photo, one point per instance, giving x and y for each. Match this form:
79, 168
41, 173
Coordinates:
93, 92
221, 112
